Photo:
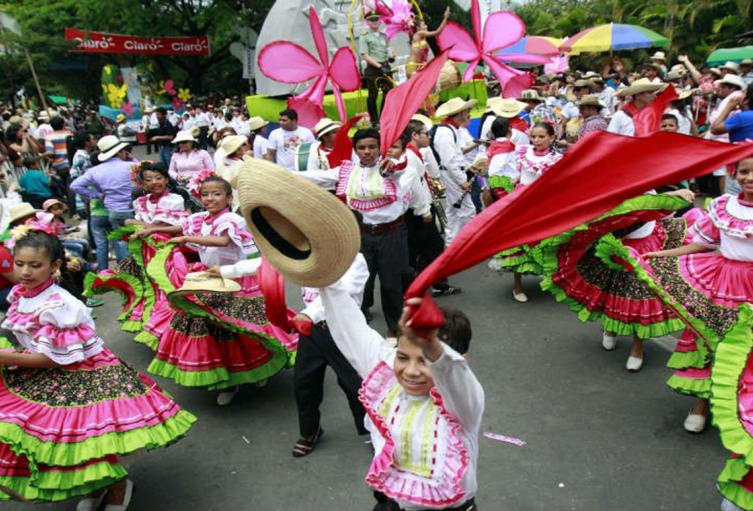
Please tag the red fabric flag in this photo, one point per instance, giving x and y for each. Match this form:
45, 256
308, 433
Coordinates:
648, 120
596, 175
343, 149
404, 100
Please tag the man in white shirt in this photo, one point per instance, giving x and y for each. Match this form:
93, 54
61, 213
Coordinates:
458, 204
284, 140
201, 120
643, 92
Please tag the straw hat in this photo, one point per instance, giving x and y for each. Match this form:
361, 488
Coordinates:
256, 123
590, 100
530, 95
746, 62
198, 282
674, 75
583, 84
659, 55
184, 136
732, 80
731, 66
590, 75
305, 232
20, 211
683, 93
454, 106
120, 118
325, 126
109, 146
508, 107
638, 86
423, 120
715, 71
231, 143
491, 103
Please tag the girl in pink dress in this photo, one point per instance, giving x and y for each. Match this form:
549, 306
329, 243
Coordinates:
532, 162
218, 340
68, 406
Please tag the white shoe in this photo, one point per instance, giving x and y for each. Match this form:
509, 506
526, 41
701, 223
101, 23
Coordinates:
261, 383
728, 505
694, 423
608, 342
126, 499
520, 297
92, 502
634, 364
495, 264
225, 397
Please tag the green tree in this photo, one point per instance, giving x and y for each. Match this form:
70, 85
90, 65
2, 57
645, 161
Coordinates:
43, 23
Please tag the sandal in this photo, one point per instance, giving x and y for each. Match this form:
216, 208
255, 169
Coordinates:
304, 447
451, 290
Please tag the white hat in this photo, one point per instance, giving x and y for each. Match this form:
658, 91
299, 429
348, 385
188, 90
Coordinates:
423, 120
184, 136
508, 107
109, 146
639, 86
731, 66
325, 126
733, 80
659, 55
231, 143
454, 106
256, 122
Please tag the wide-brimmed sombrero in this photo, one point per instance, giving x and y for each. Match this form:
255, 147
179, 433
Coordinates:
305, 232
203, 282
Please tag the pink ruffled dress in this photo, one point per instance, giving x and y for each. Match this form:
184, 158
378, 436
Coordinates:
425, 447
219, 340
62, 429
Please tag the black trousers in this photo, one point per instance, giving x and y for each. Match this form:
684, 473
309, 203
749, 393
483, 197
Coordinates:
148, 133
387, 257
203, 137
375, 81
425, 244
315, 353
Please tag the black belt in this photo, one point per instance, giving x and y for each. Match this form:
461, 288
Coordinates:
377, 229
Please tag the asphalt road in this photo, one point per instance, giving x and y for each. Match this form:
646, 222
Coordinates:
598, 437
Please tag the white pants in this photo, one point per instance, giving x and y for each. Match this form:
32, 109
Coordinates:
457, 217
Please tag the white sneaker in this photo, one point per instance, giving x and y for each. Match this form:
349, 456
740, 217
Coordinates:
520, 297
728, 505
495, 264
226, 397
92, 502
634, 364
694, 423
608, 342
126, 499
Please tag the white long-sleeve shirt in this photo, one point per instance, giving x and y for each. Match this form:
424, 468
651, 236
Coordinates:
420, 201
461, 392
447, 144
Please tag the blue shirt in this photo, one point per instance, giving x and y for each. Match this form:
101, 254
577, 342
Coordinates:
740, 126
36, 182
110, 181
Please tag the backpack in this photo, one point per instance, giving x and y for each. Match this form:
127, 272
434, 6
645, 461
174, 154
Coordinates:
433, 132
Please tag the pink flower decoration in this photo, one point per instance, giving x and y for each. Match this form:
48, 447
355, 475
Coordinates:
127, 109
502, 29
289, 62
178, 103
194, 186
398, 19
170, 87
557, 65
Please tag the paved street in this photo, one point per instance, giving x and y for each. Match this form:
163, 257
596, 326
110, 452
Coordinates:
598, 437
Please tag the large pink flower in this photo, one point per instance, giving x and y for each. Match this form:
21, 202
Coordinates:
289, 62
502, 29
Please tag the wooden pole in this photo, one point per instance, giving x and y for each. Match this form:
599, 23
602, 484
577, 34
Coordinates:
36, 80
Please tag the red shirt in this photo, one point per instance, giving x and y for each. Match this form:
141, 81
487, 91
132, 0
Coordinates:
6, 266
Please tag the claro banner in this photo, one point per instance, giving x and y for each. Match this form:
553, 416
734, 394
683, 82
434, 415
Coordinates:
99, 42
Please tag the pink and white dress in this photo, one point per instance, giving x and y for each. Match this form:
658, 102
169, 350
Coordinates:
219, 340
62, 429
167, 209
426, 447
